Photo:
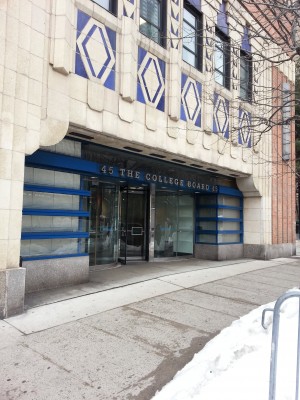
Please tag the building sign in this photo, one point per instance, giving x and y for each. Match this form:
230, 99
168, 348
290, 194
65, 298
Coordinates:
150, 177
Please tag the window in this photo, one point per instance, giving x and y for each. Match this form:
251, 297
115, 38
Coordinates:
151, 20
246, 76
222, 59
219, 218
286, 122
110, 5
192, 36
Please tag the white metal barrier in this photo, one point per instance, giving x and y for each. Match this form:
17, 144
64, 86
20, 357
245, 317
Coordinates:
275, 336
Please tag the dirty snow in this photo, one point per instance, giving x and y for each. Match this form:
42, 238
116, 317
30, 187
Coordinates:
235, 364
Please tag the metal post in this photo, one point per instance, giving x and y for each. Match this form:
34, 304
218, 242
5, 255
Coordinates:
274, 345
298, 355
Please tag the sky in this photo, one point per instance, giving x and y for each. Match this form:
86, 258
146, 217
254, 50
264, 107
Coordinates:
235, 364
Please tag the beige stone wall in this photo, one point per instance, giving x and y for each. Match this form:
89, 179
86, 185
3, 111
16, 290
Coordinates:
121, 118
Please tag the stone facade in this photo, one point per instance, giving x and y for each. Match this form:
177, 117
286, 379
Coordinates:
70, 67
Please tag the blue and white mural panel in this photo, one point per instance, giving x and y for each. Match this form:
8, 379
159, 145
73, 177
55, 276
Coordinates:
191, 94
151, 80
221, 116
244, 136
95, 51
129, 8
174, 32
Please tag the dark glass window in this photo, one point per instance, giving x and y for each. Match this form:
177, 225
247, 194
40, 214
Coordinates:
151, 20
222, 59
110, 5
245, 76
192, 36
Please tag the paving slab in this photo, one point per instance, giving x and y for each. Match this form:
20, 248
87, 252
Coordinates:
45, 317
289, 269
193, 278
277, 274
8, 335
248, 296
275, 281
289, 260
158, 335
190, 315
104, 361
55, 295
210, 302
28, 375
240, 283
137, 272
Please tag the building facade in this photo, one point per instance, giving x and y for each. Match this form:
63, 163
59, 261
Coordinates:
135, 130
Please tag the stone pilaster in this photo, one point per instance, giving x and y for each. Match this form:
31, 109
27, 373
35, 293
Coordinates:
32, 111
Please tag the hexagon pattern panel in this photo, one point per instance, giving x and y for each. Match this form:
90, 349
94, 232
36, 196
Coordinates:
191, 92
244, 136
221, 116
151, 80
95, 51
129, 8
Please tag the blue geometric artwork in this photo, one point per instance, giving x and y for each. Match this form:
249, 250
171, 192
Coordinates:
174, 32
196, 4
151, 80
95, 51
221, 116
222, 22
246, 46
190, 107
244, 136
128, 8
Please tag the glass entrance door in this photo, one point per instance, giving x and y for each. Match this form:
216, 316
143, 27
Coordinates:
133, 225
174, 220
102, 244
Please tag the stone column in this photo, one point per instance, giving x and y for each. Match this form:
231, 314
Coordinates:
13, 118
34, 111
12, 276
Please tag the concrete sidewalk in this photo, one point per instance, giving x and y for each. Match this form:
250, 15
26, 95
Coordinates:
127, 342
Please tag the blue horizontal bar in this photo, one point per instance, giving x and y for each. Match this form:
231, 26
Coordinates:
218, 206
219, 219
212, 232
230, 191
62, 162
53, 189
53, 235
219, 244
47, 257
226, 191
54, 212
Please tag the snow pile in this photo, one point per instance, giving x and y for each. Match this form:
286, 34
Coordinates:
235, 365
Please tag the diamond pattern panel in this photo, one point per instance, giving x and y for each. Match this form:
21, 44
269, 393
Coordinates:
151, 80
129, 8
191, 92
244, 137
221, 116
95, 51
